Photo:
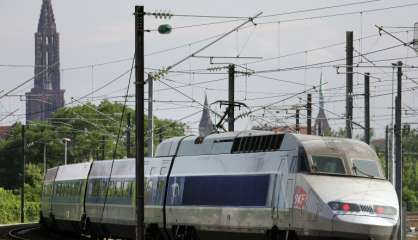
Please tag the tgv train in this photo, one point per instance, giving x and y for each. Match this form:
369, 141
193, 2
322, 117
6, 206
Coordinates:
235, 185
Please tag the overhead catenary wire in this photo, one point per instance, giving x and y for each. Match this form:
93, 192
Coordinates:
270, 15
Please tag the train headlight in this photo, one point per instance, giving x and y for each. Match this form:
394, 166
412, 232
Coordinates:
375, 210
344, 207
385, 210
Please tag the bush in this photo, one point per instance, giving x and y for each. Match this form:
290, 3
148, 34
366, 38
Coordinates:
10, 208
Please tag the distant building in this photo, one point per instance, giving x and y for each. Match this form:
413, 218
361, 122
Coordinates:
205, 125
379, 144
5, 131
46, 96
321, 126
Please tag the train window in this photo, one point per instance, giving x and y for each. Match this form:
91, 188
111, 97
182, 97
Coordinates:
163, 171
328, 164
366, 168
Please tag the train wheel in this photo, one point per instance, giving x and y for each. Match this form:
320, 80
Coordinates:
191, 234
276, 234
53, 224
291, 235
153, 233
185, 233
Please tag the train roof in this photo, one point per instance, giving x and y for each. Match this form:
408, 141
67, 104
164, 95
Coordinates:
230, 142
219, 143
50, 175
73, 171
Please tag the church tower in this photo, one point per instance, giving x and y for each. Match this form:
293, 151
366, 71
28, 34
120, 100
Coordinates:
321, 126
205, 125
46, 96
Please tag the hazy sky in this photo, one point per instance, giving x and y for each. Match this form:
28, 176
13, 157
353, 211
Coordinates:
98, 31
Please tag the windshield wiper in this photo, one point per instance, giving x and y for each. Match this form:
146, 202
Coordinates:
355, 168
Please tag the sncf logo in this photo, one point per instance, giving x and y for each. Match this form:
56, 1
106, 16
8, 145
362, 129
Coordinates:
300, 198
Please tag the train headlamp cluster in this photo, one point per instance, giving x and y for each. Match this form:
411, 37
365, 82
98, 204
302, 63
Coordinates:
344, 207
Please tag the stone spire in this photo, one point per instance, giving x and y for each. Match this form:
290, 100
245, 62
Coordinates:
46, 22
46, 96
205, 125
321, 126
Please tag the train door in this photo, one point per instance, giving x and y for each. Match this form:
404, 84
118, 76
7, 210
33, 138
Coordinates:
290, 186
283, 199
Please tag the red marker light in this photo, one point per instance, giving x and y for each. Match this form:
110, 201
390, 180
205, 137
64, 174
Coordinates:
380, 210
346, 207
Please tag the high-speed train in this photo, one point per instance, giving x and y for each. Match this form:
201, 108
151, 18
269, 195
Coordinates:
234, 185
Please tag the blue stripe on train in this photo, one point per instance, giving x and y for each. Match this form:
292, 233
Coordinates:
250, 190
240, 190
219, 190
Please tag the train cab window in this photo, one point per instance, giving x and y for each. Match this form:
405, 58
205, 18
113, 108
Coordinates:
366, 168
328, 164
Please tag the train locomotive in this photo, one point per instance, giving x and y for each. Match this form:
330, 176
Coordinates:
234, 185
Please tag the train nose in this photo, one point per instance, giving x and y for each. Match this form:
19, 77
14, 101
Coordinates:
367, 221
365, 227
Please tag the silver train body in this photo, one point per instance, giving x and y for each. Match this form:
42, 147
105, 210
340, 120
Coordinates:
243, 185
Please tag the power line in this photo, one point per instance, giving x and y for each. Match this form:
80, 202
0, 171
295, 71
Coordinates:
156, 14
341, 14
30, 79
319, 8
321, 64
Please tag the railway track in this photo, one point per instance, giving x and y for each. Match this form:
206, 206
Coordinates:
20, 233
33, 232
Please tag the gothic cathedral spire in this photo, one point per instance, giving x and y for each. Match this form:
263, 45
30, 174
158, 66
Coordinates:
205, 125
321, 126
46, 96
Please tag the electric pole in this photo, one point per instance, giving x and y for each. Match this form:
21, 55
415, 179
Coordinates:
103, 147
398, 147
387, 152
128, 135
349, 84
309, 114
150, 142
231, 96
44, 158
139, 120
367, 108
22, 187
297, 121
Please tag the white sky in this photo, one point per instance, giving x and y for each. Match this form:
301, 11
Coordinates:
97, 31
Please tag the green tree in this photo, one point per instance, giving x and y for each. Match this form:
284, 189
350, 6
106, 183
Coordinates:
91, 128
